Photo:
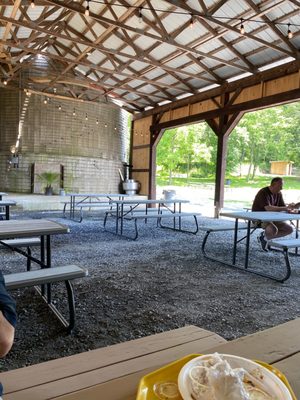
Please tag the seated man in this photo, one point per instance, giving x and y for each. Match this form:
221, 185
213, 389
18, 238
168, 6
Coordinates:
270, 199
8, 318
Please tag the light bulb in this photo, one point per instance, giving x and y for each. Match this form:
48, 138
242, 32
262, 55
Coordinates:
87, 9
242, 29
192, 22
290, 33
32, 4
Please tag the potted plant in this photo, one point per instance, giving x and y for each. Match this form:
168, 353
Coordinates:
48, 178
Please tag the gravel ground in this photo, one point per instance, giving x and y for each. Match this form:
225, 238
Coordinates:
137, 288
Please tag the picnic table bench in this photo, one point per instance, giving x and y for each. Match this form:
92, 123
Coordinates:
215, 227
176, 218
47, 276
113, 372
146, 209
81, 201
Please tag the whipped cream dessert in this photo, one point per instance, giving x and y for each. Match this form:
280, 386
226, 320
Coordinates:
215, 379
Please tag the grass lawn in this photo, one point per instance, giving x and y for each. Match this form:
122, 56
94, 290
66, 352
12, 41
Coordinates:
290, 182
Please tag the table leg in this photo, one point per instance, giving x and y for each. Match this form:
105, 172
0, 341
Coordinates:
122, 211
236, 226
117, 218
247, 244
48, 264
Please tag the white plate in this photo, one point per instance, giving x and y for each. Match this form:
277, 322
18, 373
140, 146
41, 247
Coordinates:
276, 387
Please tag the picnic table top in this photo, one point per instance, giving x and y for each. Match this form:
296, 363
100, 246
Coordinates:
150, 201
7, 203
113, 372
30, 227
96, 194
262, 215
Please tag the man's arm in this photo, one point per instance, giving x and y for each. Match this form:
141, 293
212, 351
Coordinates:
276, 208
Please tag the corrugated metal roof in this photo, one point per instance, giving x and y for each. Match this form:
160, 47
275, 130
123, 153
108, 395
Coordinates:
145, 51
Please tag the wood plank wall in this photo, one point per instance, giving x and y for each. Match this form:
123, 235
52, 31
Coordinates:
141, 153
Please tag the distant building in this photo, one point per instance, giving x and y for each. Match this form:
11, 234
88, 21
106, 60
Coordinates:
281, 167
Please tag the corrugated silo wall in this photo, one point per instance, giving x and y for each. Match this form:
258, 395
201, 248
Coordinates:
91, 145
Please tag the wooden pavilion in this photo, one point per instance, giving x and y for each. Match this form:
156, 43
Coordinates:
168, 62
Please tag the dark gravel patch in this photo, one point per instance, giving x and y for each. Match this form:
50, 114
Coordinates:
137, 288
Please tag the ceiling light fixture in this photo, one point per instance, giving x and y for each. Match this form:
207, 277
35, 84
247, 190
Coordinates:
242, 29
87, 8
74, 112
59, 107
289, 32
97, 122
45, 100
32, 4
4, 82
86, 117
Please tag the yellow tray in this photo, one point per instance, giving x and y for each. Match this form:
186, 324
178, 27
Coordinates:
169, 373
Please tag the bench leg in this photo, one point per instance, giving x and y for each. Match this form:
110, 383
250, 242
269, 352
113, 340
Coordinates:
280, 279
28, 259
179, 229
71, 301
287, 263
204, 242
71, 304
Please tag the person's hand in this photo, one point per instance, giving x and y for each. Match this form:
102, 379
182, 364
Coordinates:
292, 210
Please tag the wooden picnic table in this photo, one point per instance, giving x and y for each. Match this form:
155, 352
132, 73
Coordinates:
114, 372
2, 194
254, 217
79, 200
128, 207
29, 228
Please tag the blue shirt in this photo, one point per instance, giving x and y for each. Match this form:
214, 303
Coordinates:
8, 308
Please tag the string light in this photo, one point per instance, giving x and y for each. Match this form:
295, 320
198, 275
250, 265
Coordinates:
45, 101
59, 107
97, 122
74, 112
87, 8
289, 32
4, 82
192, 22
105, 125
32, 4
161, 10
86, 117
140, 14
242, 29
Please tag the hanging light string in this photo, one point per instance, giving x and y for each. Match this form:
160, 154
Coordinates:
193, 16
87, 8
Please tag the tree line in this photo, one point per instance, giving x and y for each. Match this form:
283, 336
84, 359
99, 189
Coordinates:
260, 137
